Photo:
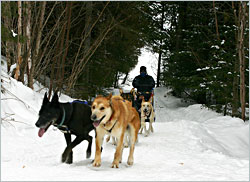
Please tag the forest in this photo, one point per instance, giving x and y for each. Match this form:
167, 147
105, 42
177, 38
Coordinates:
82, 48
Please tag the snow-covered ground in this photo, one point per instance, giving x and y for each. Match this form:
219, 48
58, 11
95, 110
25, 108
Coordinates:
189, 143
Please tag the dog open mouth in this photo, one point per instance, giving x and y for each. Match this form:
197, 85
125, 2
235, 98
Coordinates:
45, 127
43, 130
97, 122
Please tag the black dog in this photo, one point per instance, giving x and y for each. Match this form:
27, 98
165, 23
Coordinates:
70, 118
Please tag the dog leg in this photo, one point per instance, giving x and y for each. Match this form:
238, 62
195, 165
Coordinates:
126, 140
141, 129
118, 151
98, 144
151, 127
120, 161
143, 126
88, 152
133, 139
69, 148
113, 141
69, 158
108, 138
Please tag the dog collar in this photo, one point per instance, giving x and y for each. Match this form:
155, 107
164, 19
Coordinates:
62, 121
63, 118
110, 130
61, 127
111, 117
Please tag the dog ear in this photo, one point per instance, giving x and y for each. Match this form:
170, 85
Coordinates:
45, 98
55, 98
150, 99
109, 97
121, 91
143, 100
132, 90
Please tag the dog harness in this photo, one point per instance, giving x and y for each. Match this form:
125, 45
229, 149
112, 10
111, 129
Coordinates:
63, 128
110, 130
147, 119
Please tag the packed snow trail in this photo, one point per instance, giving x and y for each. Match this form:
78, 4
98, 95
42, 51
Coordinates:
188, 143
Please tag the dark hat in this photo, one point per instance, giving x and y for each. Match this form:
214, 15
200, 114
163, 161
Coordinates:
143, 68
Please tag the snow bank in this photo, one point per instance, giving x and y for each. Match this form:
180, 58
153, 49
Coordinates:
222, 134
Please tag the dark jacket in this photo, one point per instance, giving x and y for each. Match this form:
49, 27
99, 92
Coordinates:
144, 83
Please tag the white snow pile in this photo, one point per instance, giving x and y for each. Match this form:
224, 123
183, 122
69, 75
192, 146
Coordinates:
189, 143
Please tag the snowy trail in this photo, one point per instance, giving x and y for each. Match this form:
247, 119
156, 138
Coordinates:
188, 143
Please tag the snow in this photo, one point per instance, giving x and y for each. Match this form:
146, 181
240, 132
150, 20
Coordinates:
13, 33
189, 143
215, 46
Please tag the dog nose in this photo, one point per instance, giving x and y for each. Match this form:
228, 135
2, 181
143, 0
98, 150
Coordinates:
37, 124
93, 117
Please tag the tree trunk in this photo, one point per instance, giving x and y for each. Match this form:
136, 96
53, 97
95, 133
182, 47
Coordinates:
26, 46
242, 19
28, 35
59, 56
37, 47
160, 51
87, 43
69, 8
216, 22
19, 58
235, 101
125, 78
7, 25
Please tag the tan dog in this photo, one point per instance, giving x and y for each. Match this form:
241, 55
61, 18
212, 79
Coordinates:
130, 97
147, 115
114, 116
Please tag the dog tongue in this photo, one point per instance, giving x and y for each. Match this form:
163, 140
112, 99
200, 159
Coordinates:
96, 123
41, 132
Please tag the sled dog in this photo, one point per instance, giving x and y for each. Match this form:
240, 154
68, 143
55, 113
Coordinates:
130, 97
72, 118
147, 115
114, 116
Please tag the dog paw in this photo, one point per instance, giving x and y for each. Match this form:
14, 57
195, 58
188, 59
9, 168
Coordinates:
69, 160
64, 157
115, 165
96, 164
130, 162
